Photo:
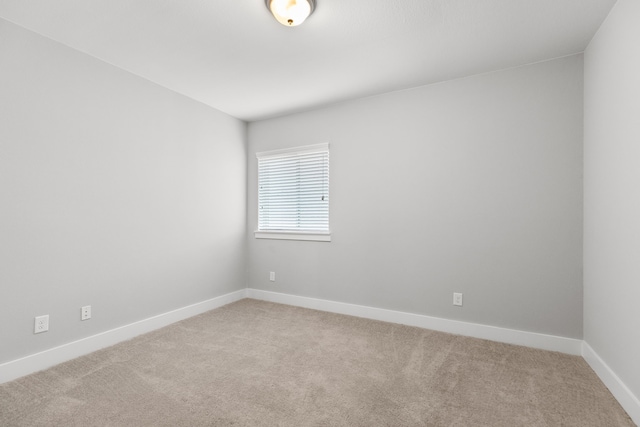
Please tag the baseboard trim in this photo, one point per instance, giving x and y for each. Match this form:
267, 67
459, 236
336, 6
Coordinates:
36, 362
620, 391
509, 336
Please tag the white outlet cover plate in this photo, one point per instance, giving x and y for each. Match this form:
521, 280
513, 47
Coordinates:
86, 312
41, 324
457, 299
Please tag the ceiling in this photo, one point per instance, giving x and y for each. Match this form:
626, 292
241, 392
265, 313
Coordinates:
235, 57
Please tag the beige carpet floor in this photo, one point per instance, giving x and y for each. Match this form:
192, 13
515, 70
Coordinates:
253, 363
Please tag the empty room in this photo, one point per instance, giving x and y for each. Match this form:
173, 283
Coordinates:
319, 213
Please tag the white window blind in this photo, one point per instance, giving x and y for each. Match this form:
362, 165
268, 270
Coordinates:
293, 190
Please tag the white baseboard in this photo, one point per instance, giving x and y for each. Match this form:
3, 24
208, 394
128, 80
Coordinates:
620, 391
510, 336
39, 361
45, 359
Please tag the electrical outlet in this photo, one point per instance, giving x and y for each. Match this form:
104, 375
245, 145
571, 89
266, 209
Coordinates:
272, 276
41, 324
457, 299
86, 312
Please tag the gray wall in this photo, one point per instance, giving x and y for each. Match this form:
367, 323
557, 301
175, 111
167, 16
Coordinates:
612, 193
114, 192
472, 185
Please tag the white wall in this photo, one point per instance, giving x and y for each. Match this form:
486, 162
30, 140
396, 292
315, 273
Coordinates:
114, 192
612, 194
473, 185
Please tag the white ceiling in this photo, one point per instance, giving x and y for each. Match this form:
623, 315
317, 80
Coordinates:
233, 56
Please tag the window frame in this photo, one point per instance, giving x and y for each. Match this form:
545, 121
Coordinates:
292, 234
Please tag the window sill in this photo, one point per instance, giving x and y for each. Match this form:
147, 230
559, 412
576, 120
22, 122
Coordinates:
293, 235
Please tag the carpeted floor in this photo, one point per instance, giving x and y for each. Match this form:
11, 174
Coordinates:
253, 363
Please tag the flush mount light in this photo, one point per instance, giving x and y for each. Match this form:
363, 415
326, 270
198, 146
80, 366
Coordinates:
291, 12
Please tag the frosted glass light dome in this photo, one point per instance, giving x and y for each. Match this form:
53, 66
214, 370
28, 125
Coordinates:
291, 12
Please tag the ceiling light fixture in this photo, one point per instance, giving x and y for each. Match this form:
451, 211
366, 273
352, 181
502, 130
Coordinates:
291, 12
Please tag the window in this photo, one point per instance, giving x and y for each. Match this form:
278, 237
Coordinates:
293, 193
